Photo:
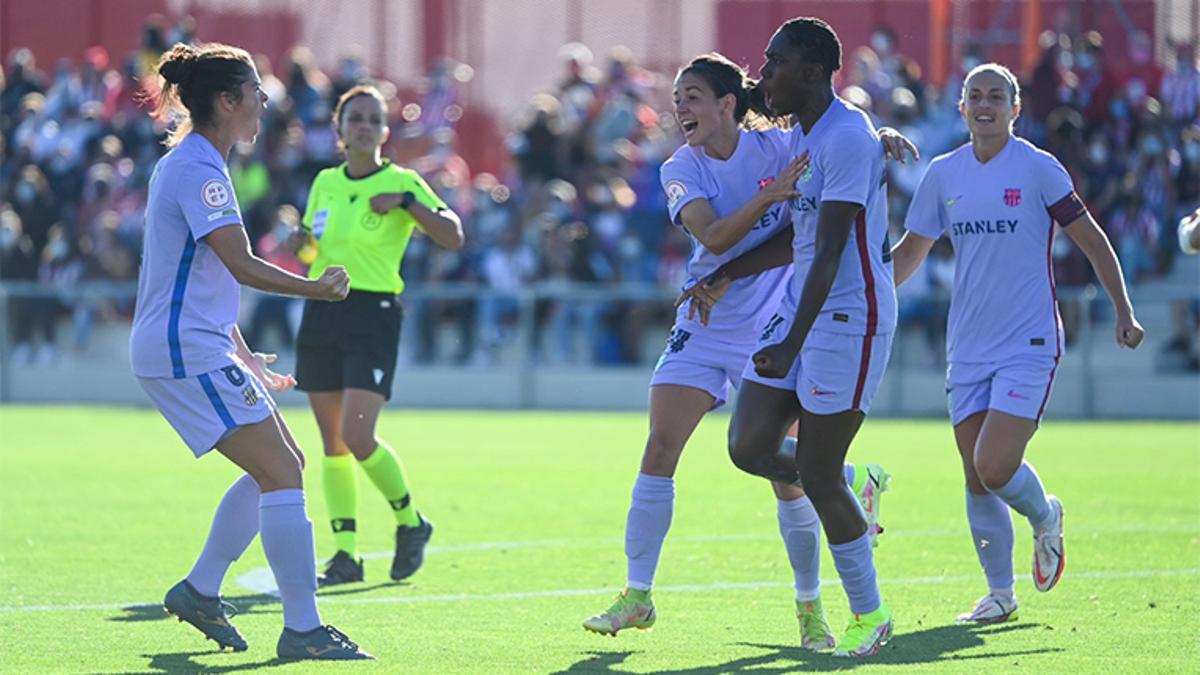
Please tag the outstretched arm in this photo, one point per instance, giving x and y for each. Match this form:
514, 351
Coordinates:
908, 254
772, 253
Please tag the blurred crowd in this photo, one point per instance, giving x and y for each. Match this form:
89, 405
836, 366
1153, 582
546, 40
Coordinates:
579, 201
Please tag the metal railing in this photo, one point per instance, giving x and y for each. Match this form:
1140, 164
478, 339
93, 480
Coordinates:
530, 331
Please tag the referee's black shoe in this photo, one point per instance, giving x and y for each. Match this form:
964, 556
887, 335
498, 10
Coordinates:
410, 549
341, 569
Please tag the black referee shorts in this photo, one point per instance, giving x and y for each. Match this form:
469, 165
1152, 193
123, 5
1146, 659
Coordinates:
349, 344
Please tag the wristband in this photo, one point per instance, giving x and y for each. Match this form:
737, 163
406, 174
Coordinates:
407, 200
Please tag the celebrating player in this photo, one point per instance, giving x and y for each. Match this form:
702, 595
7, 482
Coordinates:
360, 215
998, 198
823, 353
727, 186
190, 358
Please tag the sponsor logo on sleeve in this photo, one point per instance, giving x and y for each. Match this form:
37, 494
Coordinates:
216, 215
675, 192
215, 194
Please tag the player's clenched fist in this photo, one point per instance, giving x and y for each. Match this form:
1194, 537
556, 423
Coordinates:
334, 284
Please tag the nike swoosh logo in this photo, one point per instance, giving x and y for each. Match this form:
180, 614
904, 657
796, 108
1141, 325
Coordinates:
1013, 394
950, 202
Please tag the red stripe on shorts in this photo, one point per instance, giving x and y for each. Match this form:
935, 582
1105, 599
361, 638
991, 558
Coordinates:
864, 259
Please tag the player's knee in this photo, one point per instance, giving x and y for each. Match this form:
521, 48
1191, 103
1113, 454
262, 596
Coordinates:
661, 455
820, 480
284, 473
361, 442
993, 473
746, 454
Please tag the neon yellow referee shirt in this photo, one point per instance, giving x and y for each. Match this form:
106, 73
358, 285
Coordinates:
349, 233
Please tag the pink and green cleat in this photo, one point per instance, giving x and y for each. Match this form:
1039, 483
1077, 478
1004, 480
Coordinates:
865, 634
814, 630
632, 609
870, 482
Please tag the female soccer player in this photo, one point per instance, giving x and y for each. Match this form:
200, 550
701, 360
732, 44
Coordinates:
190, 358
822, 355
727, 186
998, 198
361, 215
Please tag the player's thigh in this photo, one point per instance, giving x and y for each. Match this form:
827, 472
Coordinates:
261, 450
966, 435
360, 413
288, 437
675, 411
1001, 447
761, 418
823, 442
327, 409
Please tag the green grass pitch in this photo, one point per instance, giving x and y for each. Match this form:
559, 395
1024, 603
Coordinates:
101, 510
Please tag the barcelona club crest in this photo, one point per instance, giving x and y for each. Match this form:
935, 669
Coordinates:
250, 394
1012, 197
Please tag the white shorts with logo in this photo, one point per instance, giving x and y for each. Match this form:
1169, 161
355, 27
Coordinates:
694, 359
833, 373
205, 408
1019, 387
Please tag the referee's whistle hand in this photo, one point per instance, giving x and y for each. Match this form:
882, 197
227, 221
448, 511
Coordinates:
333, 284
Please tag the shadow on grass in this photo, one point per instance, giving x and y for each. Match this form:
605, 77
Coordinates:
181, 662
355, 589
941, 643
245, 604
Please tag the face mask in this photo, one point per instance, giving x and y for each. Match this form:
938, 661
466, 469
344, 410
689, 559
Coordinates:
1192, 151
1152, 145
58, 249
25, 192
968, 63
1119, 109
1098, 154
8, 238
880, 43
1085, 61
281, 231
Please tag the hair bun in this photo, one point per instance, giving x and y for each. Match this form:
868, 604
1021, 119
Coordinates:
177, 64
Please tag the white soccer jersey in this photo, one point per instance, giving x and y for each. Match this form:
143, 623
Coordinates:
1000, 218
691, 174
846, 166
187, 300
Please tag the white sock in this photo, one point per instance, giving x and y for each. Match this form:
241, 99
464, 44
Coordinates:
646, 527
287, 538
233, 528
801, 531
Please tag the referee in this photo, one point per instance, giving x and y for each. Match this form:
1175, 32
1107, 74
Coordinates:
361, 215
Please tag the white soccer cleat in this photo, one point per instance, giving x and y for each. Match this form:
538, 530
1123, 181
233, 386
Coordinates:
1048, 555
991, 609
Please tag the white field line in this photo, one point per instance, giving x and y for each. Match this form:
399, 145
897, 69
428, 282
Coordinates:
571, 592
